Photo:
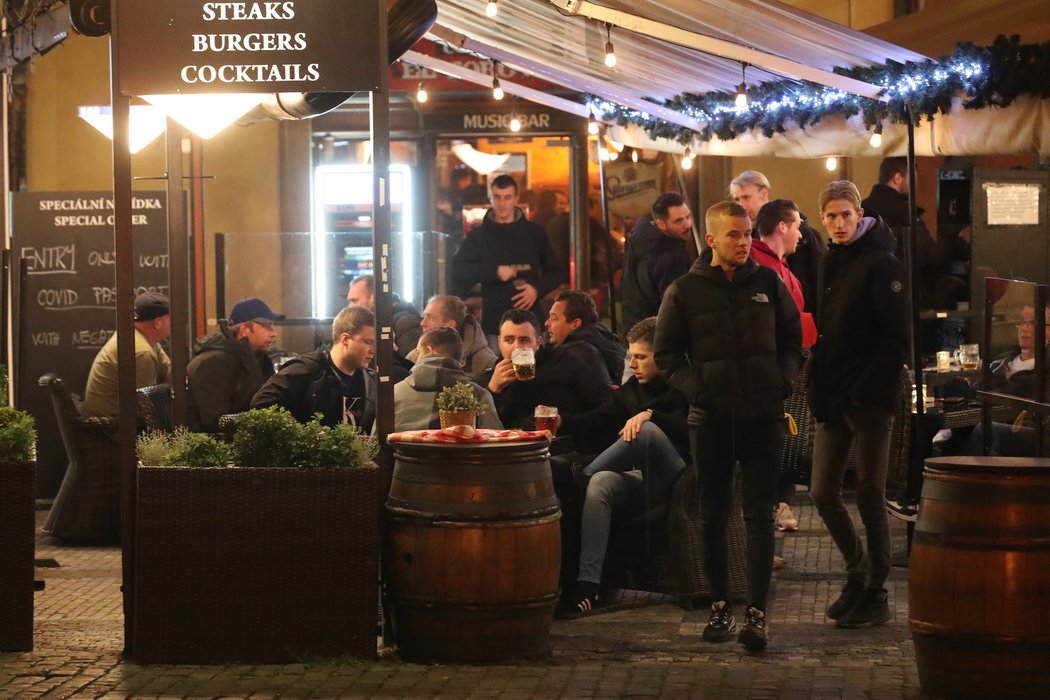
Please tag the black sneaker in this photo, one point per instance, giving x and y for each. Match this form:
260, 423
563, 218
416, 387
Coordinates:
903, 510
754, 636
849, 597
870, 611
585, 601
721, 625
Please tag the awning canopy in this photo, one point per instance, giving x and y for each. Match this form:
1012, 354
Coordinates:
668, 47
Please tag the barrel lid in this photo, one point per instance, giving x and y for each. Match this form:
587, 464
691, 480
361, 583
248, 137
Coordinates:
989, 464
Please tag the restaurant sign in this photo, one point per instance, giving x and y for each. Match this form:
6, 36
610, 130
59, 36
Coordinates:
168, 47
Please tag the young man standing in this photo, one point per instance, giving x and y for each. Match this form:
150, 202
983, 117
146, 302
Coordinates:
854, 385
728, 338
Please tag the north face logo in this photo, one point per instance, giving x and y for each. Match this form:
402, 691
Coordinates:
760, 298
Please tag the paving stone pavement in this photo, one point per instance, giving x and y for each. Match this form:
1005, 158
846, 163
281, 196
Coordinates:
641, 646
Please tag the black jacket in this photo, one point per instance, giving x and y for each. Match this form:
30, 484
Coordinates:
596, 429
570, 376
406, 322
308, 384
729, 346
863, 325
520, 244
652, 261
223, 376
604, 341
805, 263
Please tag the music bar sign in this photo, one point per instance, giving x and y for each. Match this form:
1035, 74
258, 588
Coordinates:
169, 47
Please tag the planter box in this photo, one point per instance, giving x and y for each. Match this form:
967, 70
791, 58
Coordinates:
255, 565
17, 549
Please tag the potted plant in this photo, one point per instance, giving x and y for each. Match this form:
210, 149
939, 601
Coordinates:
262, 550
458, 405
17, 527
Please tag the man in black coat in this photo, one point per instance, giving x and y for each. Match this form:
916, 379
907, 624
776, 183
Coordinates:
655, 256
230, 365
574, 319
509, 256
854, 387
729, 339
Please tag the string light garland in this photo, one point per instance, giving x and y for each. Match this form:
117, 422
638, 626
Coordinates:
991, 76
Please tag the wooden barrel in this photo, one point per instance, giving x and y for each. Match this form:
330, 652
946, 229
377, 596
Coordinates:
474, 550
979, 578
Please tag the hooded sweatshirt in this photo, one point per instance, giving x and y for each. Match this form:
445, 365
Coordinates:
415, 398
653, 260
478, 357
766, 257
520, 244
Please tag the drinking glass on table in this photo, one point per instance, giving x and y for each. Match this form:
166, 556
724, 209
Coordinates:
968, 356
547, 418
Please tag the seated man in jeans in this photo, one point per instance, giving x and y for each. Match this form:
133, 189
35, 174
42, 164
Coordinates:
640, 463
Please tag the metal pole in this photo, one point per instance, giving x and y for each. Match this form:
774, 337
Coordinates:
579, 219
610, 288
921, 443
125, 310
178, 271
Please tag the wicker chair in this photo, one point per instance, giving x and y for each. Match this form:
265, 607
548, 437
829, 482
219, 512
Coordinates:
796, 459
153, 406
660, 550
87, 507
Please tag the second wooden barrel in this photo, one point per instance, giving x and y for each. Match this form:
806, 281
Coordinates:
475, 550
979, 578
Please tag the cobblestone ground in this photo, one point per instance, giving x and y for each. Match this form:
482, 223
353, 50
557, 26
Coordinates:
642, 646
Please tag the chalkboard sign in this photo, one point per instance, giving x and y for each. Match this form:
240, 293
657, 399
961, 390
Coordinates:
66, 298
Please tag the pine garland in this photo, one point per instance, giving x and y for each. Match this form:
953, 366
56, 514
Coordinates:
992, 76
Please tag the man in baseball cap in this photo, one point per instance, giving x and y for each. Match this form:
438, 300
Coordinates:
231, 364
152, 365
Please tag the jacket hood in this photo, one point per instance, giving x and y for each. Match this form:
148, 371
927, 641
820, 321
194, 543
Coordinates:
219, 341
435, 372
473, 337
488, 219
647, 237
702, 267
872, 234
606, 342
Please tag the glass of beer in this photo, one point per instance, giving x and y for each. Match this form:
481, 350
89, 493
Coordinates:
524, 363
547, 418
969, 356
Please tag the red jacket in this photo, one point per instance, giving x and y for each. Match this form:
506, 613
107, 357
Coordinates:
764, 256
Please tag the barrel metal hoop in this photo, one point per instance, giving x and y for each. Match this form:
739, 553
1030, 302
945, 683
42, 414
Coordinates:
980, 494
430, 519
990, 537
949, 637
418, 471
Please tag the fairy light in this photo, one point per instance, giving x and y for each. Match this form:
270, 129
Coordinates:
610, 53
421, 93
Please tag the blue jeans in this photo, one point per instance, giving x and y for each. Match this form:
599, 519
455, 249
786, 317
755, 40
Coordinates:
626, 476
718, 446
869, 427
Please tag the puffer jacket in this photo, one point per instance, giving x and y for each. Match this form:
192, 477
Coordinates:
652, 261
729, 346
862, 317
223, 376
605, 342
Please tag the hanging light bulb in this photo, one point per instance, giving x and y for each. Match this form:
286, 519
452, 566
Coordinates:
491, 8
497, 91
634, 155
831, 163
515, 123
421, 93
741, 89
592, 124
687, 158
876, 136
610, 54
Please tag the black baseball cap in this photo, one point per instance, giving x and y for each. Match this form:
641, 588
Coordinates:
253, 309
151, 305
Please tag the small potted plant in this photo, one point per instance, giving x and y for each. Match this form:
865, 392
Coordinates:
17, 528
262, 550
458, 405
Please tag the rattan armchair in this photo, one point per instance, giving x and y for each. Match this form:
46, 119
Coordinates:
154, 409
87, 507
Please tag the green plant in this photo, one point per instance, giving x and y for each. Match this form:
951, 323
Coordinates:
271, 437
181, 449
459, 397
17, 435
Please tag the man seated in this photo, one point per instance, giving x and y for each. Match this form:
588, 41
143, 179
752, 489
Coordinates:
571, 377
437, 366
231, 364
574, 319
643, 426
337, 384
446, 310
152, 366
404, 318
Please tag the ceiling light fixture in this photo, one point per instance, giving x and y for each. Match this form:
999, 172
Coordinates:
491, 8
610, 54
876, 136
421, 93
741, 89
687, 159
592, 124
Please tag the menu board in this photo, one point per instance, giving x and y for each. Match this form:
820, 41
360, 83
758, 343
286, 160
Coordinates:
65, 289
